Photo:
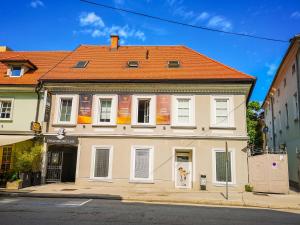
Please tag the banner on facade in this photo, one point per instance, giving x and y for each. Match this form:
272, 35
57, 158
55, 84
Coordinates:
85, 109
163, 104
124, 109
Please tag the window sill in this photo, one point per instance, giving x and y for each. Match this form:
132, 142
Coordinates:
141, 181
224, 184
104, 125
222, 128
64, 125
6, 119
143, 126
106, 180
183, 126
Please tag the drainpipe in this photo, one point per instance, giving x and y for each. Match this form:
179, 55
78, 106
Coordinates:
273, 131
38, 88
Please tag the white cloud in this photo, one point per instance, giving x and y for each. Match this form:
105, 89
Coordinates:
119, 2
295, 15
272, 67
219, 22
95, 26
36, 3
91, 19
182, 12
201, 17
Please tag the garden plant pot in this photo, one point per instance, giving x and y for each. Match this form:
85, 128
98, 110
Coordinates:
26, 178
14, 185
36, 178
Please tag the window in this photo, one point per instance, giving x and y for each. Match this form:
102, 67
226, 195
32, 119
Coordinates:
173, 64
101, 162
183, 111
66, 109
278, 92
296, 110
6, 158
6, 106
144, 110
16, 71
222, 112
133, 64
279, 121
81, 64
287, 115
284, 82
142, 164
293, 69
219, 166
105, 110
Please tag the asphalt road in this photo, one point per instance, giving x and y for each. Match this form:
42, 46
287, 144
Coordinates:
95, 211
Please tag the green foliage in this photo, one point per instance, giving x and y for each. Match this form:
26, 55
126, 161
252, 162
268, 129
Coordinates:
27, 157
248, 188
253, 124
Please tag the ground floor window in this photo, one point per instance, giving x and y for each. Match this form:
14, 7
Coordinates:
142, 163
101, 162
6, 158
219, 166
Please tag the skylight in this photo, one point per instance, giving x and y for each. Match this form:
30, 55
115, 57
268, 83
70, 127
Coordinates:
133, 64
81, 64
174, 64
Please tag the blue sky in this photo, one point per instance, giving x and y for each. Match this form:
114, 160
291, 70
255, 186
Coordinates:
63, 25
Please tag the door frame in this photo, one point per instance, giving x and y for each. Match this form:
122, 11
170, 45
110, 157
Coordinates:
193, 176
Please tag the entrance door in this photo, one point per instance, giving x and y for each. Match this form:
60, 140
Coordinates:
54, 166
183, 170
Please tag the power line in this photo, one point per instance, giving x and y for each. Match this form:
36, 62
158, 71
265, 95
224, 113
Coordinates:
181, 23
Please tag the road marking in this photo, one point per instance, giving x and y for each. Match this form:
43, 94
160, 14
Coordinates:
8, 200
75, 203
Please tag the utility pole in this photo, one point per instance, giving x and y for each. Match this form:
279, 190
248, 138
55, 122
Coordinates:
226, 169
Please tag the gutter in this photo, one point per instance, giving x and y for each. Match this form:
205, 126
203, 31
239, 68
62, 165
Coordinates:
251, 90
38, 88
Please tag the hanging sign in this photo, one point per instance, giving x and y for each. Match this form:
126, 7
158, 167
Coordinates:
124, 109
163, 104
85, 109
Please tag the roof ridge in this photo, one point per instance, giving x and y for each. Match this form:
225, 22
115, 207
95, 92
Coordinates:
133, 45
229, 67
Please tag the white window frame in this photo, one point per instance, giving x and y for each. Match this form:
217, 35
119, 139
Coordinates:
96, 110
152, 111
110, 162
74, 112
174, 114
151, 164
230, 106
12, 108
233, 166
23, 70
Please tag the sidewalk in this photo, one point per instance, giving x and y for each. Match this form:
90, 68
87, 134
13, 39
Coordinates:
273, 201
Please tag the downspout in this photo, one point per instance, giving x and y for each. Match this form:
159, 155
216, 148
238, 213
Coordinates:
38, 88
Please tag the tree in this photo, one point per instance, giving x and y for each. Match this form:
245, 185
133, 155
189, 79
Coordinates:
254, 127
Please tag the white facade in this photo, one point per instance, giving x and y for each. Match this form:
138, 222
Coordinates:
282, 110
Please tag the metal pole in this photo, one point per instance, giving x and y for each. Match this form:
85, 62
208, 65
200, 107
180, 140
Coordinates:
226, 169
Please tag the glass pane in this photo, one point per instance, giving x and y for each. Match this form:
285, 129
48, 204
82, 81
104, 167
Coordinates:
183, 110
65, 110
183, 103
105, 110
143, 111
221, 166
16, 71
5, 109
222, 120
221, 103
101, 163
141, 163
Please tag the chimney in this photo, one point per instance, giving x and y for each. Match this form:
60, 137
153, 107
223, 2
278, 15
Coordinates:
114, 42
5, 49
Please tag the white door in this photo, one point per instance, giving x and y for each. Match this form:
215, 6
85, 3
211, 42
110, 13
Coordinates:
183, 170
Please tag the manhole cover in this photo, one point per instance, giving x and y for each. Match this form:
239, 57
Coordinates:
68, 189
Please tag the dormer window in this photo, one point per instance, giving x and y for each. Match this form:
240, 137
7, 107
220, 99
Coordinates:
133, 64
16, 71
174, 64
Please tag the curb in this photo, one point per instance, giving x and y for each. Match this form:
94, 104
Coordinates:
150, 200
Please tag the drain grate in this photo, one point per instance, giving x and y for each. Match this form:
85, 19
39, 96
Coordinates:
68, 189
